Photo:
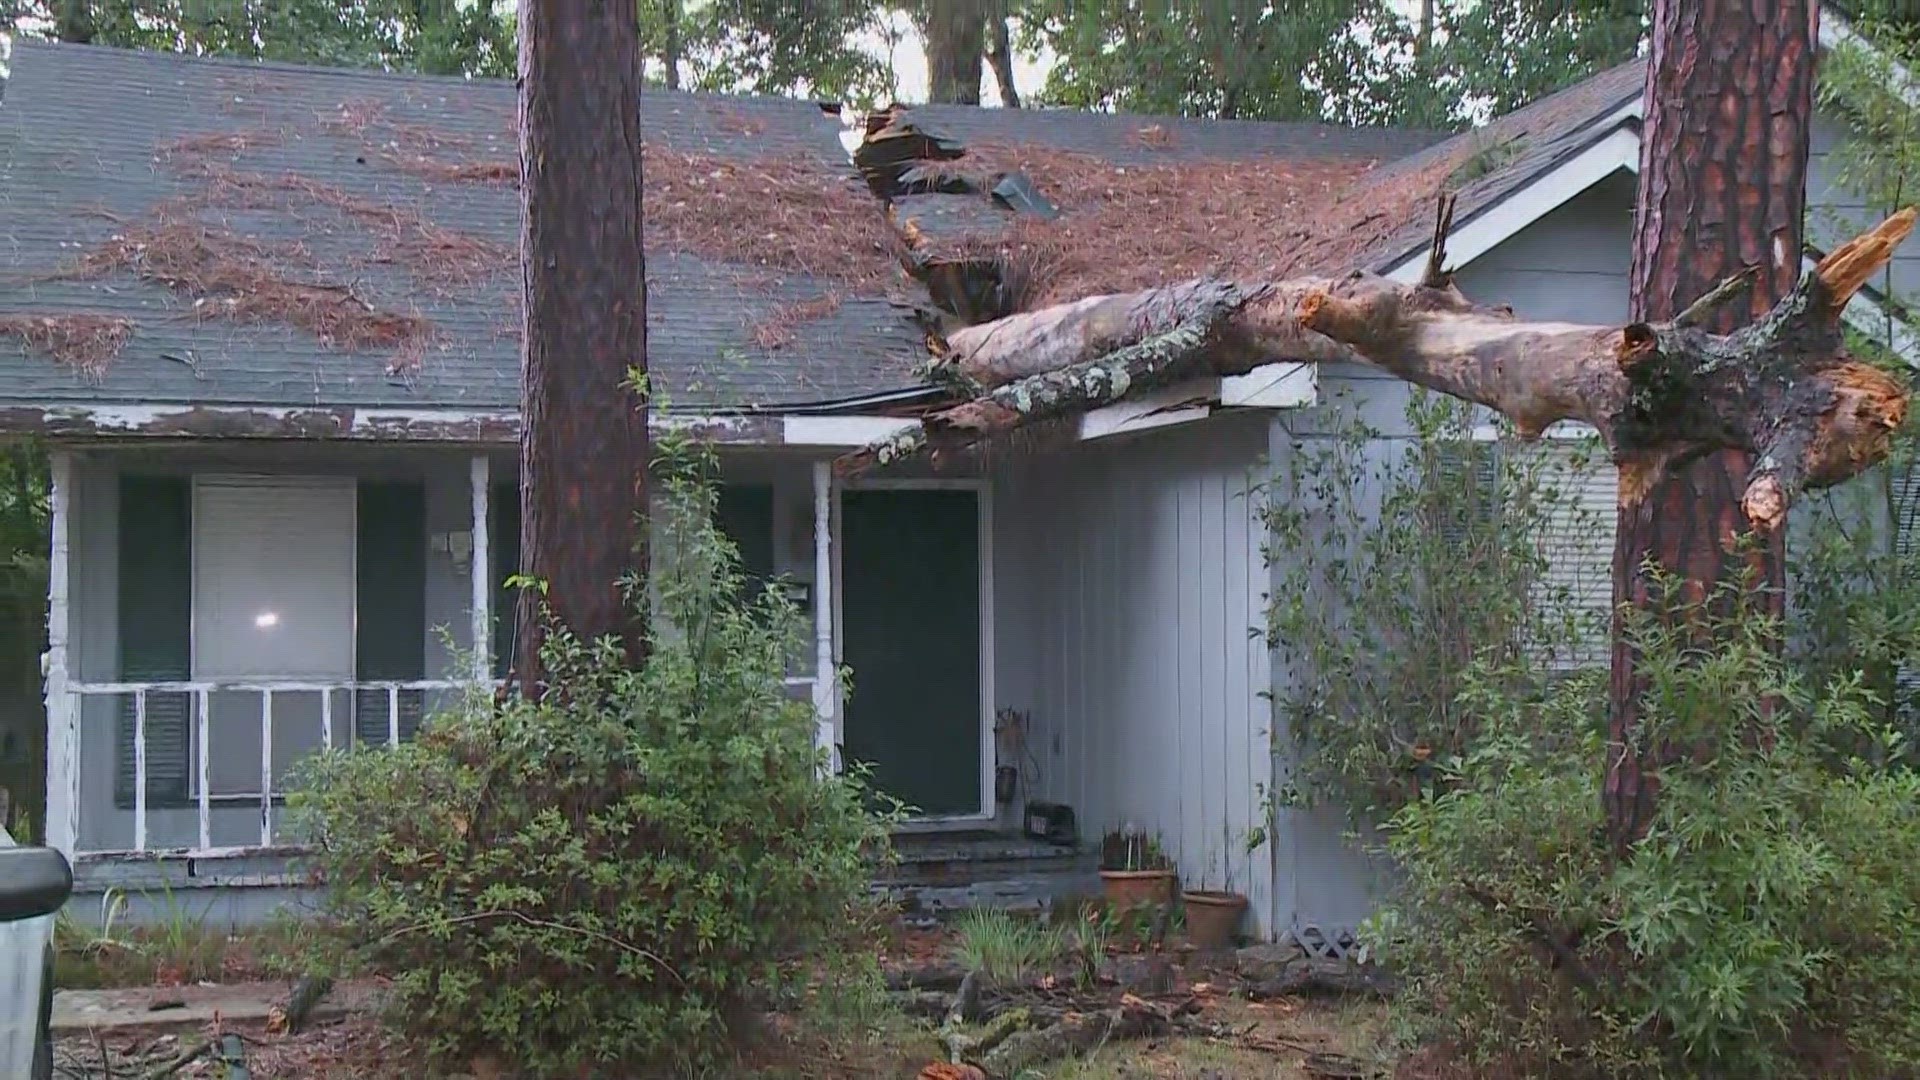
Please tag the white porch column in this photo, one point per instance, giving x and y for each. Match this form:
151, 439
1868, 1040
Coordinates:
482, 573
826, 689
63, 714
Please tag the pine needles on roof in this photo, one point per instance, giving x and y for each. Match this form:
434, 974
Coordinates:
245, 281
87, 343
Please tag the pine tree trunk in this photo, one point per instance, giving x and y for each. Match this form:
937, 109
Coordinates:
74, 22
1722, 187
956, 35
671, 46
583, 448
1000, 56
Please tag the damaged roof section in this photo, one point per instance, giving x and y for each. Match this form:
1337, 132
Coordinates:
1015, 211
192, 234
1011, 212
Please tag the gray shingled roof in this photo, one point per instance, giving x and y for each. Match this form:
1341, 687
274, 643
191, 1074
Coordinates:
1528, 143
84, 138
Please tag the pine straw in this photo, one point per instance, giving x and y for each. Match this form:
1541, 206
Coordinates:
781, 326
440, 259
368, 119
776, 212
1127, 227
86, 343
243, 280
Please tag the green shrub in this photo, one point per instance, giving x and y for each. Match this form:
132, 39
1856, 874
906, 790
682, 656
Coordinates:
1400, 565
1764, 927
605, 876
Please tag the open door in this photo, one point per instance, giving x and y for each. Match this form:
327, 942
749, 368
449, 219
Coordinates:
911, 633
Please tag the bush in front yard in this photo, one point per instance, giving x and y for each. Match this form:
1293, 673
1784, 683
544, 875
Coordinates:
1763, 928
596, 879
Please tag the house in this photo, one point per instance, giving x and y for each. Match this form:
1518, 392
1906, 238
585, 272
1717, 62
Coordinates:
264, 315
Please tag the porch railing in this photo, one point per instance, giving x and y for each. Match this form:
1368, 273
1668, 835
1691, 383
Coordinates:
200, 695
391, 720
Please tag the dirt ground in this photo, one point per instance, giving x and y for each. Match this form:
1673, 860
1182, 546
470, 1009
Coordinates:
1269, 1040
1280, 1037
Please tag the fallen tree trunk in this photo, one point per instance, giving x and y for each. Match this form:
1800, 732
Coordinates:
1783, 389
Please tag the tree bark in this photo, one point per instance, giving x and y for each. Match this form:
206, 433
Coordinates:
74, 23
583, 449
1659, 394
1000, 57
671, 44
956, 38
1723, 187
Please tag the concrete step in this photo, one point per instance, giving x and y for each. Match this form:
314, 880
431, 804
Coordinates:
938, 875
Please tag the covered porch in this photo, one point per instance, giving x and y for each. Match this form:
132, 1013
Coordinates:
1074, 626
219, 611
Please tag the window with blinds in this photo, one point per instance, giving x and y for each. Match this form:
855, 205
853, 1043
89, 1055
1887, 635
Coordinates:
264, 579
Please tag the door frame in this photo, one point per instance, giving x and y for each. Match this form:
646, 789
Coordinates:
983, 501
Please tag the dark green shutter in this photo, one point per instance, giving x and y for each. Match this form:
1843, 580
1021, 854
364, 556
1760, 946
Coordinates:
503, 545
1470, 471
1905, 482
390, 637
745, 515
156, 630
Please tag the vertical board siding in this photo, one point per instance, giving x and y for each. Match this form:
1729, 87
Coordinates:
1131, 576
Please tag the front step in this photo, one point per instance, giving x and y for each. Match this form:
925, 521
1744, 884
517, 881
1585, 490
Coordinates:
939, 874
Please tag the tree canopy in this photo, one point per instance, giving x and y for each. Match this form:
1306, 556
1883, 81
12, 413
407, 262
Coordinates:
1352, 61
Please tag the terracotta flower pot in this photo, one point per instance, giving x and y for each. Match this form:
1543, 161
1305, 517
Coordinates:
1136, 888
1213, 918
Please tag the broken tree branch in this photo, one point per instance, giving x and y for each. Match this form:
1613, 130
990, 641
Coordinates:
1783, 389
1435, 276
1151, 362
1734, 286
1075, 1034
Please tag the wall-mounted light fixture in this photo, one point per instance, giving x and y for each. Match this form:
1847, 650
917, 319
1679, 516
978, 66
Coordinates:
456, 544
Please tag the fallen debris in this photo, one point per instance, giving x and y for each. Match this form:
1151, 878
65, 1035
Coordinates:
1076, 1033
87, 343
244, 281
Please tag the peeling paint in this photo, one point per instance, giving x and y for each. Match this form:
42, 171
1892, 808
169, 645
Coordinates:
493, 426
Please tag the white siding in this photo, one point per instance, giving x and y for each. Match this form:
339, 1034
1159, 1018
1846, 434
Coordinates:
1129, 581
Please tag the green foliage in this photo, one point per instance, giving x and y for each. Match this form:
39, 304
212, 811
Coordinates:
1763, 927
1349, 61
434, 36
769, 47
740, 46
24, 484
1403, 566
1856, 584
1005, 948
608, 874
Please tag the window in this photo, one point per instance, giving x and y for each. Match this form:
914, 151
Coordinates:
264, 579
271, 559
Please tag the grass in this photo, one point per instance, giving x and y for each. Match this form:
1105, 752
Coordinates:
1007, 949
176, 946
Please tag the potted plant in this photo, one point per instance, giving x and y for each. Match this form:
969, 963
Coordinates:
1134, 871
1213, 916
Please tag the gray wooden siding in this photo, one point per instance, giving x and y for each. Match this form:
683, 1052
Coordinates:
1836, 212
94, 608
1129, 578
